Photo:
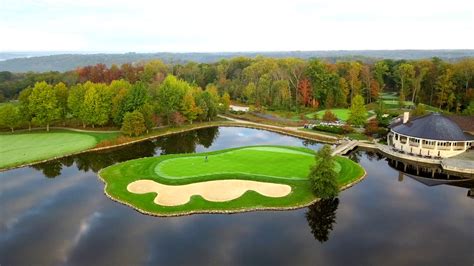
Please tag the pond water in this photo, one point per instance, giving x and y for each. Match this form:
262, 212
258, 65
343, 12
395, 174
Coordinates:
55, 213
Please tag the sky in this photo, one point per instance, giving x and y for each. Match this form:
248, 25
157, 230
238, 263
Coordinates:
234, 25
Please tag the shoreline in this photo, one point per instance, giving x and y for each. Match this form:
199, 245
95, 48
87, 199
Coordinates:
242, 210
303, 135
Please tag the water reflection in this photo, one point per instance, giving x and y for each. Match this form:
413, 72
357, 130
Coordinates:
94, 161
321, 217
380, 221
429, 175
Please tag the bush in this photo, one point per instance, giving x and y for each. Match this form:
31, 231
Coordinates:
372, 127
177, 119
329, 116
117, 141
347, 128
237, 112
330, 129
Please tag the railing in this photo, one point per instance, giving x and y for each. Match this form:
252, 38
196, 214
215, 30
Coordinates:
414, 144
424, 146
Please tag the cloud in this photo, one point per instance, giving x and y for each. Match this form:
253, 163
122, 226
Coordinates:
245, 25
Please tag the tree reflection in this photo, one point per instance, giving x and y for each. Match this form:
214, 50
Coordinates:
49, 169
94, 161
355, 156
206, 136
321, 216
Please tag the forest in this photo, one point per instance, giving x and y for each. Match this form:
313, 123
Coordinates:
159, 93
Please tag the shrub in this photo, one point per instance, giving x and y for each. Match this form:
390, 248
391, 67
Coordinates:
372, 127
329, 116
113, 142
177, 119
330, 129
347, 128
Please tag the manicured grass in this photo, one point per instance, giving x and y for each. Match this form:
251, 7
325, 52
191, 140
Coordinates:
275, 164
341, 114
20, 148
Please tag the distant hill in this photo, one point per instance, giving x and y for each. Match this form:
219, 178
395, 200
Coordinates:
24, 62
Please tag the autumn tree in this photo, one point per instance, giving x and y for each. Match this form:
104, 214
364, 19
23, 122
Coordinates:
188, 106
225, 101
329, 116
133, 124
304, 90
354, 79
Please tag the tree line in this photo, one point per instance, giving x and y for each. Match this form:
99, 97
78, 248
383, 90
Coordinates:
290, 84
135, 107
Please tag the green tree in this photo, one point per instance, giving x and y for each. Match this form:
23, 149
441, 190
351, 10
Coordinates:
406, 74
133, 123
249, 92
170, 95
43, 104
381, 70
470, 109
148, 113
24, 108
96, 107
419, 110
62, 95
9, 116
358, 113
120, 90
75, 101
444, 88
322, 175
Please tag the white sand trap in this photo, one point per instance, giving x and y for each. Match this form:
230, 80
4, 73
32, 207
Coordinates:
217, 190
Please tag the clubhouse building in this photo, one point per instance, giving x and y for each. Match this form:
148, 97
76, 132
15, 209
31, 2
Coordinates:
433, 136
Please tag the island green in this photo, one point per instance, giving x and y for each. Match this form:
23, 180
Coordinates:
273, 164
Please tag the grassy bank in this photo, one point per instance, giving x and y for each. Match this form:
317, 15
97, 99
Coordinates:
20, 148
274, 164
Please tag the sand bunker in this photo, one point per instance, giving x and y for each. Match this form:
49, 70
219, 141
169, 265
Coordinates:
217, 190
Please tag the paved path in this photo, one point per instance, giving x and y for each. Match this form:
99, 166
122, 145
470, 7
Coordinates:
345, 147
294, 129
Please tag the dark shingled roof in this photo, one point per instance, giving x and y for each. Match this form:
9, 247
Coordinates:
432, 126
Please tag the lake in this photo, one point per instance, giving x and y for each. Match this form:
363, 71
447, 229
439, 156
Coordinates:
56, 213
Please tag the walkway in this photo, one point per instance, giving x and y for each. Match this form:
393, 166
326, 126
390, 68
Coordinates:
345, 147
463, 163
293, 129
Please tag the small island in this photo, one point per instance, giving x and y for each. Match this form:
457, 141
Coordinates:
226, 181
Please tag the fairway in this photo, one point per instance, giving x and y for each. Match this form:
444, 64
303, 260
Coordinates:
18, 149
193, 174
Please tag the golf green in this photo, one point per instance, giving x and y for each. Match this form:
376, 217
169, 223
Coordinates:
20, 148
270, 164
